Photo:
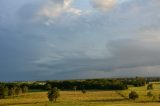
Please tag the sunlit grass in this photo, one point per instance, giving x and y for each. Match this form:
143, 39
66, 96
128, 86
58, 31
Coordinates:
91, 98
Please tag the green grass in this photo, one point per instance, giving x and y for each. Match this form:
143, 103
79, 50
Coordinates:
91, 98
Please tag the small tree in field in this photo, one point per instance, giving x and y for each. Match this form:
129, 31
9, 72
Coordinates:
133, 95
149, 94
53, 94
150, 87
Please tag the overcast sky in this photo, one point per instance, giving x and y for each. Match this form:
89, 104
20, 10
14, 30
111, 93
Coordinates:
75, 39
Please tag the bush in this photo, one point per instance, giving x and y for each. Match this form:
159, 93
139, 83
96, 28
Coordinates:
83, 91
133, 95
150, 87
53, 94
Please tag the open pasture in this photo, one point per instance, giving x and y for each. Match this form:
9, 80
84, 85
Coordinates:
91, 98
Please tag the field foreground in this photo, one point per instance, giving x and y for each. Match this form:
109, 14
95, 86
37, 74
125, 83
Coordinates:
91, 98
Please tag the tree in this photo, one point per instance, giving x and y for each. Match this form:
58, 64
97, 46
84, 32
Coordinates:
18, 91
133, 95
53, 94
24, 89
3, 92
149, 94
150, 87
11, 91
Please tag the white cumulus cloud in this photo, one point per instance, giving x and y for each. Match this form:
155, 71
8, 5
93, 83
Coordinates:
52, 9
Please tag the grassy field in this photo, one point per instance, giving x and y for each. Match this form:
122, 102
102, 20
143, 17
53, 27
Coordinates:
91, 98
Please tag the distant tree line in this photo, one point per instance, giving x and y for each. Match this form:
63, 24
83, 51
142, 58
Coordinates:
93, 84
88, 84
137, 82
37, 85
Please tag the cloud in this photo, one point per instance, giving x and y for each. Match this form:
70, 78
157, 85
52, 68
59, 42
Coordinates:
103, 5
77, 45
53, 9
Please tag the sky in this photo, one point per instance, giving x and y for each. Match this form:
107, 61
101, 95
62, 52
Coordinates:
78, 39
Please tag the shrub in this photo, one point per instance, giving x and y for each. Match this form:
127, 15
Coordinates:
133, 95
